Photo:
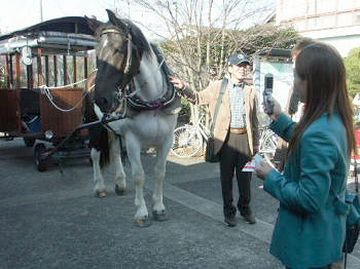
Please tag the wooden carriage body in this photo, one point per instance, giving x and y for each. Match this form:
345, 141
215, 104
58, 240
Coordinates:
41, 66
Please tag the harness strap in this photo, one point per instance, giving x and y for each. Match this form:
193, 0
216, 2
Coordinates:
165, 100
129, 54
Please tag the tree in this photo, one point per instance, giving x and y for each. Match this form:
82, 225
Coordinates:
352, 64
198, 29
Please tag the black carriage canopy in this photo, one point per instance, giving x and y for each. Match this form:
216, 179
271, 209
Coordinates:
61, 35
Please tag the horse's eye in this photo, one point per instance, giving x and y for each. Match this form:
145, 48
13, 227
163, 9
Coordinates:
118, 50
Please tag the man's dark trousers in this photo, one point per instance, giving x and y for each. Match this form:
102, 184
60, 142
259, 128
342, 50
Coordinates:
234, 154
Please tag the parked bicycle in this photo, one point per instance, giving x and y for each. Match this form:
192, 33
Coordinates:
190, 139
268, 143
2, 75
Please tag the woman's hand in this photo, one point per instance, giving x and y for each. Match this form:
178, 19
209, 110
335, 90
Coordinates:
178, 83
262, 169
276, 109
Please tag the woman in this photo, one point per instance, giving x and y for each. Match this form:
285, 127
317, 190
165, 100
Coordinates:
310, 229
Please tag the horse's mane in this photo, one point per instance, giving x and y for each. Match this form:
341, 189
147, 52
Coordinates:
138, 37
160, 56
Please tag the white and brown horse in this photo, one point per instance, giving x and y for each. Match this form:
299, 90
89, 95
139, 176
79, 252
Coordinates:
133, 96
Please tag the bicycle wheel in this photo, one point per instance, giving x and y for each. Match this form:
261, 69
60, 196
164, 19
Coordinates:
187, 142
268, 146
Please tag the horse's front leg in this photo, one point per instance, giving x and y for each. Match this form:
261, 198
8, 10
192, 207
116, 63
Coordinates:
133, 148
159, 212
115, 157
99, 185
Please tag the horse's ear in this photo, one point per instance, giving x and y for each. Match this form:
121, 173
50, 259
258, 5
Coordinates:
112, 17
93, 23
115, 20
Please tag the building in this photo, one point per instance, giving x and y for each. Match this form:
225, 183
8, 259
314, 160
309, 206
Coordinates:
336, 22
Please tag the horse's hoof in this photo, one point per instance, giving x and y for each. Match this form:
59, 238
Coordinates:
162, 216
100, 194
142, 223
119, 191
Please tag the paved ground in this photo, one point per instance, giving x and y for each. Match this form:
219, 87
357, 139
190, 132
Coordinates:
52, 220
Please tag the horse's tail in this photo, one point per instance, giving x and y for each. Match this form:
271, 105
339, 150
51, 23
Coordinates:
99, 138
104, 147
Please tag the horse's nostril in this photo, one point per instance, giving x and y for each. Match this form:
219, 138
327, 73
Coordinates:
104, 101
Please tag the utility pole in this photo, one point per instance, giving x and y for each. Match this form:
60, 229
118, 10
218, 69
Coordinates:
176, 10
128, 4
115, 8
41, 11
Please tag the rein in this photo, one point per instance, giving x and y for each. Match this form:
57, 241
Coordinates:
46, 90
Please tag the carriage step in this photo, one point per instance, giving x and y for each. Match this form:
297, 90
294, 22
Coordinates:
80, 153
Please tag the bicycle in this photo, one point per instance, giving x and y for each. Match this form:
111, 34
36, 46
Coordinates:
2, 74
267, 143
189, 139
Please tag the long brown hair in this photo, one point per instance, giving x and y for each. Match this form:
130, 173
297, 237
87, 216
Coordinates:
300, 45
323, 69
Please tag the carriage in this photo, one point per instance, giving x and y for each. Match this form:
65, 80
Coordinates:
43, 70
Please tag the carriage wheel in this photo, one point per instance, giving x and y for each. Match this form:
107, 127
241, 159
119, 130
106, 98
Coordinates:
187, 142
40, 162
29, 142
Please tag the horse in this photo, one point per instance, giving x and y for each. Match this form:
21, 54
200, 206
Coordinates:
138, 107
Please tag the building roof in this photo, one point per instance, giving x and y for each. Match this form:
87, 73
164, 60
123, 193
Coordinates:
71, 25
61, 34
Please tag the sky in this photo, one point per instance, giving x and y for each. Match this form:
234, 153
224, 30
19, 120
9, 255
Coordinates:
18, 14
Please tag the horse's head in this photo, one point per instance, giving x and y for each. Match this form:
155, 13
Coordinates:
118, 54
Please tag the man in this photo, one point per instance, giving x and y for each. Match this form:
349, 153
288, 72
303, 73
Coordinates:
236, 131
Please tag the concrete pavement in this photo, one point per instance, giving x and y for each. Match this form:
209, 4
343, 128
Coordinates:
52, 219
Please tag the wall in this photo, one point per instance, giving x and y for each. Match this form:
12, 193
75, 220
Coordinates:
336, 22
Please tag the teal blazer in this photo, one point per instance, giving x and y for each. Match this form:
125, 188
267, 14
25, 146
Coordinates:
310, 227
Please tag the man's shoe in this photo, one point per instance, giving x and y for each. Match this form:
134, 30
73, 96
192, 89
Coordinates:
247, 214
249, 218
230, 221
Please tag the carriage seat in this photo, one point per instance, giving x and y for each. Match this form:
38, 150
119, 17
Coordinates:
30, 109
30, 101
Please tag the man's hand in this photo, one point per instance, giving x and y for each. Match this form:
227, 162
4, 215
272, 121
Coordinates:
178, 83
255, 150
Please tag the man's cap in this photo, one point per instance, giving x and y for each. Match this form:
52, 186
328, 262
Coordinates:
238, 58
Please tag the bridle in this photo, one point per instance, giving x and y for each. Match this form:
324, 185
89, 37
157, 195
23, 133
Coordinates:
129, 46
120, 94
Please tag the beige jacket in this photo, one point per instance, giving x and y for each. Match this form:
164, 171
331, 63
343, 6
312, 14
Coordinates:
209, 97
